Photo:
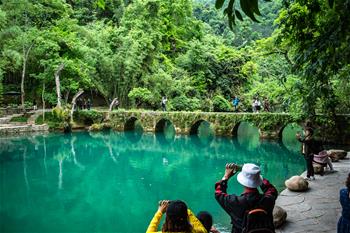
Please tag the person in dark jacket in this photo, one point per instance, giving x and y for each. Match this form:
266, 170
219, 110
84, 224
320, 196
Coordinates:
237, 206
308, 149
344, 220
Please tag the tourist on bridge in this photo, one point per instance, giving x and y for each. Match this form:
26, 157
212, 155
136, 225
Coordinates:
163, 103
344, 220
267, 107
257, 105
250, 202
235, 103
178, 219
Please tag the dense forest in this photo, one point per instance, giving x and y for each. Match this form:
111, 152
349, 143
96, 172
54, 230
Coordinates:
297, 56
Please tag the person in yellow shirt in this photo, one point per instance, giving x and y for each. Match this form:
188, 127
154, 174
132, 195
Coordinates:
178, 219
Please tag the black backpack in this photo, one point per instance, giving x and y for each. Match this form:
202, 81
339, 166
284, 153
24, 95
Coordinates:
258, 220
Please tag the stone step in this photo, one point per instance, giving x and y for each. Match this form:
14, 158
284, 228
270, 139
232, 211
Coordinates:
13, 129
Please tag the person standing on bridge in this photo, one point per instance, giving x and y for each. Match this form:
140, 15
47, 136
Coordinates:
235, 103
163, 103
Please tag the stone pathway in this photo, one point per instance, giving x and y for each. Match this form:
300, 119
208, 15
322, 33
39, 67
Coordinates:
7, 127
318, 209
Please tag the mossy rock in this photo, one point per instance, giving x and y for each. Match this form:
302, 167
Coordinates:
99, 127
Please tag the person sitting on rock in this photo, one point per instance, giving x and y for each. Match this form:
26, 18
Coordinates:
238, 206
323, 159
178, 219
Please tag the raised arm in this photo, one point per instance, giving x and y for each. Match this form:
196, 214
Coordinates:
268, 189
153, 226
196, 224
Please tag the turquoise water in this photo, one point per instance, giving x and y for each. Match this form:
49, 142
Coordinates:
112, 182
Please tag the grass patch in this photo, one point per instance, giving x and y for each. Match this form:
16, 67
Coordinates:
22, 119
50, 119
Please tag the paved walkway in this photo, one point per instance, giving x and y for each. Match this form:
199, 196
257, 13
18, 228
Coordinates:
318, 209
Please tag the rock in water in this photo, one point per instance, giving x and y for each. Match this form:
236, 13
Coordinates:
279, 216
297, 183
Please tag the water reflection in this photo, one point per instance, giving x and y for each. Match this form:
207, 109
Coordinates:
248, 130
288, 136
102, 181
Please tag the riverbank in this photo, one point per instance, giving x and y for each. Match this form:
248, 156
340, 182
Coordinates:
318, 209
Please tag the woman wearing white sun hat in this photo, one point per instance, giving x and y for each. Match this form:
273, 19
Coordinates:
238, 205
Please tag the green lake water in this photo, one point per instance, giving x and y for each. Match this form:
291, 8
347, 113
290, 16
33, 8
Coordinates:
112, 181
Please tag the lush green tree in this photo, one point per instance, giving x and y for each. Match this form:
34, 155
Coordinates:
317, 36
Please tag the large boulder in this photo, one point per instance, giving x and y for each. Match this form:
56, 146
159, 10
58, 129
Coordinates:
335, 155
279, 216
297, 183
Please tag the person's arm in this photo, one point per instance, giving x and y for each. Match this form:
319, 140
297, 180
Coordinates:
268, 189
196, 224
153, 226
226, 201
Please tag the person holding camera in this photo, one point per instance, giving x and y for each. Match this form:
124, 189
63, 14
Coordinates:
308, 149
250, 202
178, 219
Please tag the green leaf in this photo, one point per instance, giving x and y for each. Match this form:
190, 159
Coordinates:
101, 4
239, 15
219, 3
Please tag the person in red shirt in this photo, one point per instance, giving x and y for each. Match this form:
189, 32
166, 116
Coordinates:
237, 205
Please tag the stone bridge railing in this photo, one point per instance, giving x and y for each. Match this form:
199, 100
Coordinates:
270, 125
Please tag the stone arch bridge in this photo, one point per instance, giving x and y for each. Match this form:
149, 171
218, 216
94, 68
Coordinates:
270, 125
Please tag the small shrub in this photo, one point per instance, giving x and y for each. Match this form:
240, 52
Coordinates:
141, 97
88, 117
220, 104
183, 103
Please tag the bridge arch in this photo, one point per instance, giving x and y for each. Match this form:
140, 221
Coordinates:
195, 126
162, 124
130, 124
288, 124
236, 126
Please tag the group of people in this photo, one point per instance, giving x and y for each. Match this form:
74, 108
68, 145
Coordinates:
250, 211
257, 105
313, 152
84, 104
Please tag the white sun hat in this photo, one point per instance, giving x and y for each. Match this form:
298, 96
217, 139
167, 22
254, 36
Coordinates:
250, 176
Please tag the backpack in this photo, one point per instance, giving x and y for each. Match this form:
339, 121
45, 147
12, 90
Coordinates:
258, 220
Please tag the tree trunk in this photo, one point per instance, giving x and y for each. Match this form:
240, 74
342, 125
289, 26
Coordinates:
67, 96
25, 58
58, 87
43, 100
74, 100
111, 107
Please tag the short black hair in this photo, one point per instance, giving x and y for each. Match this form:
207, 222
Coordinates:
311, 130
206, 219
347, 182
